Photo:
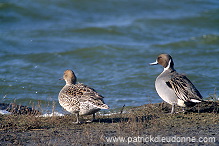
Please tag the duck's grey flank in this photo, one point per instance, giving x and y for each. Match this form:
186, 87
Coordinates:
78, 98
175, 88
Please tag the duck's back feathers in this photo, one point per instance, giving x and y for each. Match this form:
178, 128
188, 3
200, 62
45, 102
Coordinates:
184, 89
88, 94
78, 97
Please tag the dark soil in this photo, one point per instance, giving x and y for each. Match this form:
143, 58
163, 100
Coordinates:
148, 120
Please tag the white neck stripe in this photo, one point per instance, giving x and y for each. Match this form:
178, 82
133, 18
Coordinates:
168, 66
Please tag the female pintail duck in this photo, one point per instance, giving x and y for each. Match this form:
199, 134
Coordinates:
175, 88
78, 98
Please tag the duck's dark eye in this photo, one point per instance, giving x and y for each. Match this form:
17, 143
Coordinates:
159, 57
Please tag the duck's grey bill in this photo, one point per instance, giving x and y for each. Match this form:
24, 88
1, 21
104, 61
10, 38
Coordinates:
154, 63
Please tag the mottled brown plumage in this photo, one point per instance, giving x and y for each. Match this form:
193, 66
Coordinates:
79, 98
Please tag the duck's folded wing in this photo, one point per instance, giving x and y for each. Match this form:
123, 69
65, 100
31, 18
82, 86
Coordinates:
184, 89
90, 95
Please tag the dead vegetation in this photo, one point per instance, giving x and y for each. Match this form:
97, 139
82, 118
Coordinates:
149, 119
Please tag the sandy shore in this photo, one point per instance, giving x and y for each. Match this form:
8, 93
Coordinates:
150, 124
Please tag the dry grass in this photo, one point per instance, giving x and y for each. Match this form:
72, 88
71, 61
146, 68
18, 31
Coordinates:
149, 119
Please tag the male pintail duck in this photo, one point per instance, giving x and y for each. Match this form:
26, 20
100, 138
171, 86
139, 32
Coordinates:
175, 88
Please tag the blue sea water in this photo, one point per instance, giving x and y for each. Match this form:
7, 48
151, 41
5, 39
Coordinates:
108, 44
